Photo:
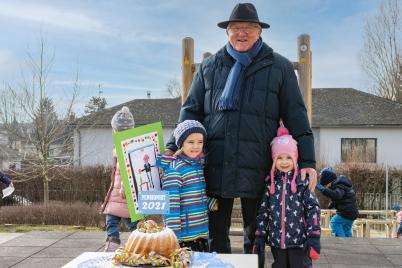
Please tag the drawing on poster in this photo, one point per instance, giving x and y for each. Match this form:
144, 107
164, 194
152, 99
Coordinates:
137, 149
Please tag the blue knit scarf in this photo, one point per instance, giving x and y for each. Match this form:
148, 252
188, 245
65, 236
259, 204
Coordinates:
231, 93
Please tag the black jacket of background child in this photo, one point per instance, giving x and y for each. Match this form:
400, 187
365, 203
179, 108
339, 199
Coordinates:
343, 198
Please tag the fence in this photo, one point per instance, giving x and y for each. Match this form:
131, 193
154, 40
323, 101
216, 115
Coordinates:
366, 201
376, 201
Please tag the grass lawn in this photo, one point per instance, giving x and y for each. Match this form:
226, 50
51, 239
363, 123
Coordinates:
22, 228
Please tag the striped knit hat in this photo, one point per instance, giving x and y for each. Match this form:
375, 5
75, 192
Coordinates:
284, 143
185, 128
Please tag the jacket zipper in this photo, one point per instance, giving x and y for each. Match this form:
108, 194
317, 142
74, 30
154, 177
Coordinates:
283, 211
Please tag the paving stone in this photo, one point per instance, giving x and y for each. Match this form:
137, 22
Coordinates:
395, 259
47, 234
29, 242
79, 243
390, 249
385, 241
73, 252
91, 235
350, 248
42, 262
9, 261
357, 266
4, 237
335, 258
347, 241
58, 248
18, 251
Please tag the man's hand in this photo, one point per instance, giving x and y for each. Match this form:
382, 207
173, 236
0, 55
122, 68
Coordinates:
168, 152
312, 173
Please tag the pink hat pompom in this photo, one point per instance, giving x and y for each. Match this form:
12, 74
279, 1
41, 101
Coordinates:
282, 131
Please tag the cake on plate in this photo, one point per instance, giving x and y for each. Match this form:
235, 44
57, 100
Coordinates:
151, 244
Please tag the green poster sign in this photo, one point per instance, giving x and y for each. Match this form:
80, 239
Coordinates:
136, 150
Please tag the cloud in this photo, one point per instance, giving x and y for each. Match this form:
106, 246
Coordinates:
66, 18
9, 63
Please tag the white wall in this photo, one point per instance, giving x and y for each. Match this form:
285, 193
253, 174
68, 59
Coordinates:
97, 145
389, 143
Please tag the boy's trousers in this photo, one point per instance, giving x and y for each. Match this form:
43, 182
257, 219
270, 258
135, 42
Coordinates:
341, 226
219, 224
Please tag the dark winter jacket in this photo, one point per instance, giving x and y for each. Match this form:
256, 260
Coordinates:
238, 153
287, 219
4, 179
343, 198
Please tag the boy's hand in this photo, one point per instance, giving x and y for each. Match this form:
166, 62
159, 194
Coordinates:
312, 174
313, 246
320, 187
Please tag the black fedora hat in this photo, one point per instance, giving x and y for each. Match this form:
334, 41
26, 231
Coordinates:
243, 12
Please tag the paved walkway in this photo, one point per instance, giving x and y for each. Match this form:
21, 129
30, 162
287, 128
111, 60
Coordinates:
40, 249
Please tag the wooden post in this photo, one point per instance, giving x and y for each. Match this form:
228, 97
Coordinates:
187, 66
304, 70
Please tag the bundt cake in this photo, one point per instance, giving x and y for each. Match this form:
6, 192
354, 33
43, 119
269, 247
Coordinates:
152, 245
149, 237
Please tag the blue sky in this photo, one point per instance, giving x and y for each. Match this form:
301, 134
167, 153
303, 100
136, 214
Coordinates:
129, 46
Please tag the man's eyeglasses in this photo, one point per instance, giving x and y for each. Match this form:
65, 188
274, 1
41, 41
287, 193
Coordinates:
247, 29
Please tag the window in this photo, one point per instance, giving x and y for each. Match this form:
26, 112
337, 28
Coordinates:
359, 150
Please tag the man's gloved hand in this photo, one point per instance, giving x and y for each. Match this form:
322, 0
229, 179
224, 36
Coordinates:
320, 187
313, 246
259, 245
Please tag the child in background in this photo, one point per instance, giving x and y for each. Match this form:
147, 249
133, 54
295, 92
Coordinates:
399, 220
343, 199
289, 215
115, 204
184, 180
6, 180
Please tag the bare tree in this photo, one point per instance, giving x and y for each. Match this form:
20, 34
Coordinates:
381, 55
173, 87
28, 113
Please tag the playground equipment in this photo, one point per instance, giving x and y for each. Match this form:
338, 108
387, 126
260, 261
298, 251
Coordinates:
378, 220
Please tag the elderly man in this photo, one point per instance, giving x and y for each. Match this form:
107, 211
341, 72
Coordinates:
240, 94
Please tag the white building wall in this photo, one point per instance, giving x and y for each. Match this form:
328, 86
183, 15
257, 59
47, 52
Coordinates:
93, 146
389, 143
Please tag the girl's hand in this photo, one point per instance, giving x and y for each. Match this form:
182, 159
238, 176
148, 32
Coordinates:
168, 152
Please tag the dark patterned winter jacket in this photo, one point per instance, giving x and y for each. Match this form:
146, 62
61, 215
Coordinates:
286, 219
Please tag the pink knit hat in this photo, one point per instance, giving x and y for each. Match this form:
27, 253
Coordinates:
284, 143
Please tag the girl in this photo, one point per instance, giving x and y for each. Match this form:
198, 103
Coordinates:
289, 215
184, 180
115, 204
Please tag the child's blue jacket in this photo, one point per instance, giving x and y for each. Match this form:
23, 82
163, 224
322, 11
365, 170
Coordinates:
184, 180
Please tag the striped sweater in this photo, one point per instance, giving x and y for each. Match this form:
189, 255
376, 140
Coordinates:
184, 179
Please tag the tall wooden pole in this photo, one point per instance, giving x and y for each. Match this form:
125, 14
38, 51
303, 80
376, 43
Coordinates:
304, 69
187, 66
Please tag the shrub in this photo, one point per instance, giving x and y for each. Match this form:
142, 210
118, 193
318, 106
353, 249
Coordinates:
55, 213
87, 184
